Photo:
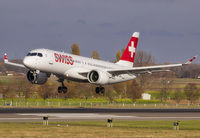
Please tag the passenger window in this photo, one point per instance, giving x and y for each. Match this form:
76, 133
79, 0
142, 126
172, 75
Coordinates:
40, 55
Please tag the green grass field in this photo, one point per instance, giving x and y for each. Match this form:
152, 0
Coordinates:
102, 101
99, 129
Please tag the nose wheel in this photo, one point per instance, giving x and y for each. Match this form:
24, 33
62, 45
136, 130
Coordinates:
63, 88
100, 90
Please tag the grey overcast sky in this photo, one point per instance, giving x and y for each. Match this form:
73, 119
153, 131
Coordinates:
169, 29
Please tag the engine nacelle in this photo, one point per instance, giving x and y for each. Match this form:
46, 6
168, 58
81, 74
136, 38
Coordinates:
37, 77
98, 77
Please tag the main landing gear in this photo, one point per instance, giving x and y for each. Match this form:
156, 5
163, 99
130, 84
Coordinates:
62, 88
100, 90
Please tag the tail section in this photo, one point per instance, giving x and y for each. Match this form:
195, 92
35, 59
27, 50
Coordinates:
129, 53
5, 58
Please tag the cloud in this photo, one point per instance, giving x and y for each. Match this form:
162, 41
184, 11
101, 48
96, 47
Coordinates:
164, 33
195, 33
95, 24
81, 21
124, 33
106, 25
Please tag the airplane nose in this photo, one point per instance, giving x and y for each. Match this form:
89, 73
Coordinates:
29, 63
26, 62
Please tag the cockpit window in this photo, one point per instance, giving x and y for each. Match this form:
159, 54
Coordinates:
35, 54
28, 54
40, 54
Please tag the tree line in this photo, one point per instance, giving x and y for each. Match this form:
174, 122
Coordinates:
142, 59
132, 89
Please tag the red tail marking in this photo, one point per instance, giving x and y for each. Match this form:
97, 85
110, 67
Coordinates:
192, 59
5, 57
129, 53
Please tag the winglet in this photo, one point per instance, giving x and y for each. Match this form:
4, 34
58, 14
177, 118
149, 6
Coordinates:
5, 58
190, 61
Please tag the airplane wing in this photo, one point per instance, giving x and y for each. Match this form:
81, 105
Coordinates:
11, 63
148, 69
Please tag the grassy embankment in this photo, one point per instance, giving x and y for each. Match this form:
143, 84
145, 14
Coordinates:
178, 84
103, 101
99, 129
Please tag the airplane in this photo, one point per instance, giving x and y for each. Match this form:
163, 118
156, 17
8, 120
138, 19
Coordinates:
42, 63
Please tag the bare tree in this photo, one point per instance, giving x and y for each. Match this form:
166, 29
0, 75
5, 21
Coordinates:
110, 93
166, 89
144, 59
2, 68
8, 91
26, 88
45, 91
4, 92
119, 88
191, 91
85, 90
178, 95
134, 90
12, 90
73, 89
19, 87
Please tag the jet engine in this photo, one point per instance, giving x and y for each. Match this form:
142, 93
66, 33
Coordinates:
98, 77
36, 77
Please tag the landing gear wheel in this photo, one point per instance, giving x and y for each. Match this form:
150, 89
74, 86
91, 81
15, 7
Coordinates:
100, 90
60, 89
97, 90
64, 89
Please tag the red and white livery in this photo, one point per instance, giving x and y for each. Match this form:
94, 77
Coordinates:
44, 62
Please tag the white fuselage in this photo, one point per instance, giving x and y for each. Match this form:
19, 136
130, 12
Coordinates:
72, 67
43, 62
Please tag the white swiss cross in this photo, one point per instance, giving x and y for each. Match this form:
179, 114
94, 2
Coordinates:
131, 49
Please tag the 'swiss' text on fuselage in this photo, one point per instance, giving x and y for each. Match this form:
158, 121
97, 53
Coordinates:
63, 59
